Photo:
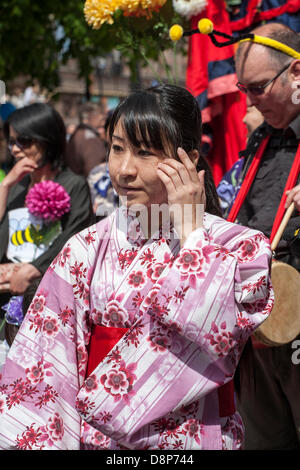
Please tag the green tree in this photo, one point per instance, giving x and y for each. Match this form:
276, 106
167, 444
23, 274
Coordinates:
37, 36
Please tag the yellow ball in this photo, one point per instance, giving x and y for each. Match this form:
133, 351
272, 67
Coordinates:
205, 26
175, 32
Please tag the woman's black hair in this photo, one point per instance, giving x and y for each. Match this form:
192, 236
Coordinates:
166, 115
42, 123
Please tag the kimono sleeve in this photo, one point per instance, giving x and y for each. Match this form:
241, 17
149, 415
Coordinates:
218, 291
46, 364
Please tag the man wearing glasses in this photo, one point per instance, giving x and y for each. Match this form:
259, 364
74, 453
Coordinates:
269, 391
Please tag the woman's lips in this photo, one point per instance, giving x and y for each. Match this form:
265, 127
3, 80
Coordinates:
128, 189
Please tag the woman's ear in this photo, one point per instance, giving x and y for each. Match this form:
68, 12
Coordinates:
194, 156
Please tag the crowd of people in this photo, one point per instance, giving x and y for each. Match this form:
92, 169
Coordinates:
137, 326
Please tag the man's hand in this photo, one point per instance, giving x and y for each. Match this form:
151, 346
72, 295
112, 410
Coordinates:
293, 195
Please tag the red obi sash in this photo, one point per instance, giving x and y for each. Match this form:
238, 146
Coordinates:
103, 340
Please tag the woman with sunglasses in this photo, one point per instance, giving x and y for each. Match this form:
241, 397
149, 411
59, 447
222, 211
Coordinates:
36, 139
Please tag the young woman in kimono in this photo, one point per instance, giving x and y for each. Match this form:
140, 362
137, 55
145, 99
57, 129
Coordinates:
134, 334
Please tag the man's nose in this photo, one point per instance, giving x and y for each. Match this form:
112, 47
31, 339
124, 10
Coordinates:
251, 99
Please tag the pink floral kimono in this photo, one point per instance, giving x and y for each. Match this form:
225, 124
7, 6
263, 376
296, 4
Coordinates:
182, 317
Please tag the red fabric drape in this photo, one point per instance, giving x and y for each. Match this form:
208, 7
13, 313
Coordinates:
223, 106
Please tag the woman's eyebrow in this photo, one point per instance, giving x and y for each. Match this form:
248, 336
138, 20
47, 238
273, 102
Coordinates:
114, 136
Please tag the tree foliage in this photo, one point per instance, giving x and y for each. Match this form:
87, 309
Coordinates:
37, 36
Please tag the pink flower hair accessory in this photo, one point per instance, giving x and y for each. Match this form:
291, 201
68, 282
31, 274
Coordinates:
48, 200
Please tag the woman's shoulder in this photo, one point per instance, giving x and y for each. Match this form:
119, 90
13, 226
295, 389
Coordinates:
229, 233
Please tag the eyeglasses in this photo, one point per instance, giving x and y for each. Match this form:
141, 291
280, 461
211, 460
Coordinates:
22, 142
259, 89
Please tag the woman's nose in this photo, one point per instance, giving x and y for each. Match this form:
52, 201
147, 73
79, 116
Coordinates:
127, 167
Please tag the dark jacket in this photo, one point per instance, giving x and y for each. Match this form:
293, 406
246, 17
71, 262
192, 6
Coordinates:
262, 201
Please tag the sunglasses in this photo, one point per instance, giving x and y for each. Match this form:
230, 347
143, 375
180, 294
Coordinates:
22, 142
259, 89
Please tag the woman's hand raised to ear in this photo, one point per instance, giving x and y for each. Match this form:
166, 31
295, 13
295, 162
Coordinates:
186, 193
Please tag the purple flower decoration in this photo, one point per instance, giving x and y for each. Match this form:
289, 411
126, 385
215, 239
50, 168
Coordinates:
14, 312
48, 200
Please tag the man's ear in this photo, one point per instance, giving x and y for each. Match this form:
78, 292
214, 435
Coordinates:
194, 156
295, 70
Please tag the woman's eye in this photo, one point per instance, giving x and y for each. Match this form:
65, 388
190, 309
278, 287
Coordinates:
145, 153
116, 148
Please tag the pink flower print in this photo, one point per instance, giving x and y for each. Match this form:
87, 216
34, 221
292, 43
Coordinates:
36, 321
222, 252
84, 407
155, 271
180, 294
29, 439
56, 427
152, 295
137, 300
114, 315
50, 326
64, 256
191, 409
38, 303
118, 381
96, 316
49, 395
189, 261
77, 270
221, 340
159, 343
89, 238
65, 315
156, 309
115, 382
91, 384
82, 355
244, 323
122, 259
189, 264
247, 250
2, 405
35, 374
172, 428
192, 429
100, 440
130, 255
136, 279
147, 257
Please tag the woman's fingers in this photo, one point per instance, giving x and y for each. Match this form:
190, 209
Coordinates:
188, 165
173, 173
